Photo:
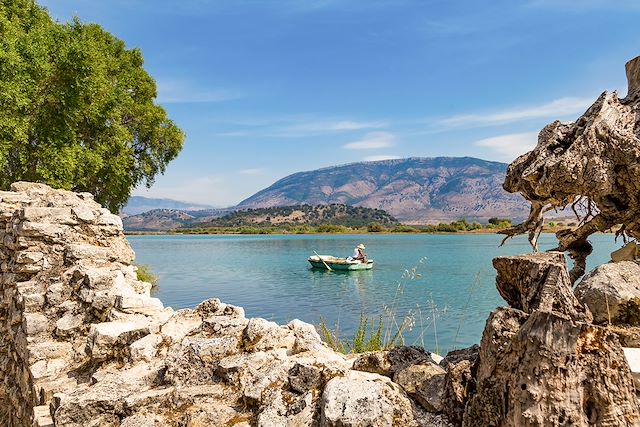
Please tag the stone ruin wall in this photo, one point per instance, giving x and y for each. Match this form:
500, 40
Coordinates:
53, 243
17, 393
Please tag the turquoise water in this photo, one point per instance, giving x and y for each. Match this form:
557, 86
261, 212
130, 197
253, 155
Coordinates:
449, 297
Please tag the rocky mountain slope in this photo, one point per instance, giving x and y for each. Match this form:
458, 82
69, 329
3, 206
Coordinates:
414, 190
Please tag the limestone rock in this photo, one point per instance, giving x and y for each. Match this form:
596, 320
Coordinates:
149, 420
234, 368
423, 382
456, 356
303, 378
83, 213
306, 337
180, 325
213, 307
628, 252
36, 323
195, 361
612, 291
82, 251
109, 339
388, 362
362, 399
254, 383
138, 304
68, 324
42, 416
288, 410
145, 348
49, 350
538, 281
261, 335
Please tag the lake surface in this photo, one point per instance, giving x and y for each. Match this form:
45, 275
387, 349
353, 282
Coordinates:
444, 283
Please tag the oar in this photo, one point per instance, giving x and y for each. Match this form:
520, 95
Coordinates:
320, 258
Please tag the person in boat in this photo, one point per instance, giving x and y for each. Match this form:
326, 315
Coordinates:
358, 254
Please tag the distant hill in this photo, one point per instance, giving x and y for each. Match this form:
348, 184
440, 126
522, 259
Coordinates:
138, 204
414, 190
350, 216
167, 219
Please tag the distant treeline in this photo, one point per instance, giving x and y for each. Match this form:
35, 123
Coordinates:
372, 227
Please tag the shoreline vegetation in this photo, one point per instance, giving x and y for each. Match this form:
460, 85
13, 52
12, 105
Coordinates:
461, 226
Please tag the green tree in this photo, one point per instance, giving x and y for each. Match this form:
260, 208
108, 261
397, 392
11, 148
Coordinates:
77, 108
375, 227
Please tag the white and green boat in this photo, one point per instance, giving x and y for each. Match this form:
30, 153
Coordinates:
328, 262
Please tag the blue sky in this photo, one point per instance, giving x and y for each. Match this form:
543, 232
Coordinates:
266, 88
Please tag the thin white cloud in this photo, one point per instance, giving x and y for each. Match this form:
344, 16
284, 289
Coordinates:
381, 157
320, 127
254, 171
294, 127
183, 91
558, 108
372, 141
508, 147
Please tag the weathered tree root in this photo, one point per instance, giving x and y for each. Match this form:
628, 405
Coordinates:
593, 162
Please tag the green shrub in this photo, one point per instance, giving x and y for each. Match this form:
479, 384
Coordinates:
405, 229
367, 337
499, 222
375, 227
144, 273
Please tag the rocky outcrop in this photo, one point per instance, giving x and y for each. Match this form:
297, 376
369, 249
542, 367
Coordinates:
82, 342
612, 293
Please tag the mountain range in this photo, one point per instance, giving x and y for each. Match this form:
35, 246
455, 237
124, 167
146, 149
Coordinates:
414, 190
138, 204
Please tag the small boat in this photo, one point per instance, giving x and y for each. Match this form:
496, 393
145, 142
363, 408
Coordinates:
326, 262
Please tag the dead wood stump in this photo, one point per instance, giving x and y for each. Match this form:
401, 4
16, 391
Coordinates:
541, 362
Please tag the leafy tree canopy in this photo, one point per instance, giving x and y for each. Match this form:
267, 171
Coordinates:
77, 108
